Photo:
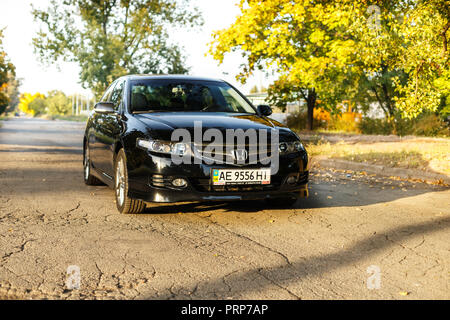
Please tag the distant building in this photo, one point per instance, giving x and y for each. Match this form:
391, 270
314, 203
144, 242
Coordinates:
258, 98
261, 98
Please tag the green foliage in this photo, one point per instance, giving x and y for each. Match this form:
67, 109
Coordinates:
111, 38
342, 125
256, 89
427, 124
394, 53
58, 103
430, 125
7, 74
38, 106
375, 126
12, 91
302, 41
299, 121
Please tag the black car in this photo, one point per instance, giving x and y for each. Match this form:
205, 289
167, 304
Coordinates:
129, 145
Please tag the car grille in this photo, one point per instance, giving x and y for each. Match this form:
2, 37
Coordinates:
160, 181
204, 185
255, 154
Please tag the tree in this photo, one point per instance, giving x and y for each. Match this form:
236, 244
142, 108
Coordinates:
58, 103
25, 101
7, 73
303, 41
111, 38
13, 93
392, 52
408, 46
39, 106
255, 89
426, 58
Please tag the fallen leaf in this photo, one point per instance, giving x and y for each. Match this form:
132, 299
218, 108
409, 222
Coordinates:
403, 293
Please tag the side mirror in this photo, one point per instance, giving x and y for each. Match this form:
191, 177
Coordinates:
264, 110
104, 107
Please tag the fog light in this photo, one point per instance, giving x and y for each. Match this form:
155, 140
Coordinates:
180, 183
292, 180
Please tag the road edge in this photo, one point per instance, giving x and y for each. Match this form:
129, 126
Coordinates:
380, 170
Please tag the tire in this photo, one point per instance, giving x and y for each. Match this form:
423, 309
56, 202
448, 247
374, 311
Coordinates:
89, 179
124, 203
281, 202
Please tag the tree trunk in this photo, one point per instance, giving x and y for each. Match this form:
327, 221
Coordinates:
311, 103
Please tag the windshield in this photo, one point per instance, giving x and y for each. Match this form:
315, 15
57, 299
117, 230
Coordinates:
186, 96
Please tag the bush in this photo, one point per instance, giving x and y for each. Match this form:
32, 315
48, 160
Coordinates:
375, 126
427, 124
299, 121
38, 106
431, 125
336, 123
58, 103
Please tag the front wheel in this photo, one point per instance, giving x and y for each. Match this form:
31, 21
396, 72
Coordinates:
124, 203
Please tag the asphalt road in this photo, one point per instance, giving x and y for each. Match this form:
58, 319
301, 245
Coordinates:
320, 249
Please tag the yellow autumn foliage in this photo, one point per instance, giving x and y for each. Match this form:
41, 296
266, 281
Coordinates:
26, 99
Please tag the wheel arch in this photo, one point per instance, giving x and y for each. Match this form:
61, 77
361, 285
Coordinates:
84, 146
119, 145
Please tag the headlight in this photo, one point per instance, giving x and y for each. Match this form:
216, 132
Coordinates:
289, 147
178, 148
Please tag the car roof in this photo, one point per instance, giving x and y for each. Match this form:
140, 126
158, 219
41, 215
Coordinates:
169, 77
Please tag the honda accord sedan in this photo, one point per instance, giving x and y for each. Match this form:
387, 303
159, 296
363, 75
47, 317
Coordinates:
181, 138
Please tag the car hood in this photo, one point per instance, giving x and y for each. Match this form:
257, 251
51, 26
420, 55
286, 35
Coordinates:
161, 125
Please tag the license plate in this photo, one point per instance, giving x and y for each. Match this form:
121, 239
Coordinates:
222, 177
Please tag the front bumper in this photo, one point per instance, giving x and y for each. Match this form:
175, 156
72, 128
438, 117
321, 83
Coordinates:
150, 181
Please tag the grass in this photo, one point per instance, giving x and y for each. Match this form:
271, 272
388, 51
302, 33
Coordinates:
402, 159
428, 155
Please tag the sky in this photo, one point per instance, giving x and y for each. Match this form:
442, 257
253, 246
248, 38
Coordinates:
16, 16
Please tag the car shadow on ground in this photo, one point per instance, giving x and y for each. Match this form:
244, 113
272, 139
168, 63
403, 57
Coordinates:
333, 190
284, 275
322, 195
53, 176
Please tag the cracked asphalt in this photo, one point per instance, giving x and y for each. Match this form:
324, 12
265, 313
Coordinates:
319, 249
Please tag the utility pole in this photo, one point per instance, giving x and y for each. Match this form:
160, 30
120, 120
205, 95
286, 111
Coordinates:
78, 98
